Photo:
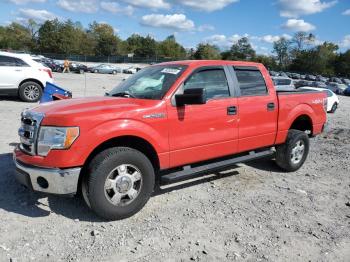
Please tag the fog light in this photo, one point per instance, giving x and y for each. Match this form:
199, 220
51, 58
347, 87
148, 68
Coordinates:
42, 182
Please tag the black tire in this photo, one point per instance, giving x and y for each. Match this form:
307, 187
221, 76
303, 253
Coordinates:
30, 92
99, 171
284, 153
81, 71
114, 72
334, 108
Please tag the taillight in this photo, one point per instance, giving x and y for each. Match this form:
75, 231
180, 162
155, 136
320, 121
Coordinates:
325, 104
47, 70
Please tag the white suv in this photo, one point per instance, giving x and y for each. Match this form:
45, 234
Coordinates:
20, 75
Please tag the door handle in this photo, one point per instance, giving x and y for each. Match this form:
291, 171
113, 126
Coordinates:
270, 106
232, 110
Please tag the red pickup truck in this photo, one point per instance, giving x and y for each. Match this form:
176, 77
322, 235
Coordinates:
170, 121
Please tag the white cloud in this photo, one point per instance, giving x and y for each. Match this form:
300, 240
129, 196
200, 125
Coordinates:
115, 8
84, 6
271, 38
345, 43
297, 8
298, 25
207, 5
23, 2
37, 15
153, 4
346, 12
203, 28
223, 40
175, 21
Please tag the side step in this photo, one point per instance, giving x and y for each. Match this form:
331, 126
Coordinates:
189, 172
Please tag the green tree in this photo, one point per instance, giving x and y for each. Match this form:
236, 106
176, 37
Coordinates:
242, 50
281, 48
107, 42
15, 36
169, 48
207, 51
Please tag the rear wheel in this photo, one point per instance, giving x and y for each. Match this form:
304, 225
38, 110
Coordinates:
95, 71
121, 181
292, 155
114, 72
30, 92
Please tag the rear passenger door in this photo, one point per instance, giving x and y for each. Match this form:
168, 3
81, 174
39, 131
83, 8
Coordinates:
10, 72
257, 109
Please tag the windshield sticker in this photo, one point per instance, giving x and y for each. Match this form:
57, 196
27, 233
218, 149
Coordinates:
172, 71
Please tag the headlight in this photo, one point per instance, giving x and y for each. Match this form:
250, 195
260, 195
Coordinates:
51, 137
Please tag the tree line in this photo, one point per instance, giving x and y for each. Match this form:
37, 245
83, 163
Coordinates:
301, 53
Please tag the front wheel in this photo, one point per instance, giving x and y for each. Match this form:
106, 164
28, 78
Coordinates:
292, 155
121, 181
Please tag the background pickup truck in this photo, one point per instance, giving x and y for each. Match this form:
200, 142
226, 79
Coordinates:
170, 121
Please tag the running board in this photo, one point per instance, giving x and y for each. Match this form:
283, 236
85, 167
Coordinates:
189, 172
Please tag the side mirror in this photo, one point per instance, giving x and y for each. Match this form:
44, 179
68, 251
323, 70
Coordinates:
192, 96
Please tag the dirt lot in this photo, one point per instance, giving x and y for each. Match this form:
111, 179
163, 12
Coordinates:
250, 213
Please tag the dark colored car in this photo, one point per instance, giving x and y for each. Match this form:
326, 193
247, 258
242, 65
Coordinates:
295, 76
78, 68
347, 92
319, 84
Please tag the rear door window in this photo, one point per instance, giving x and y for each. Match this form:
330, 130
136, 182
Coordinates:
251, 82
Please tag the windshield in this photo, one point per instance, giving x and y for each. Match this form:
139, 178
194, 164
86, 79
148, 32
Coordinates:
150, 83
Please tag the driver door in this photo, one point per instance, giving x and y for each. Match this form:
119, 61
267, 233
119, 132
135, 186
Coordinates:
207, 131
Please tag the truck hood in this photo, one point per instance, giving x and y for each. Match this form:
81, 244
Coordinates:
92, 109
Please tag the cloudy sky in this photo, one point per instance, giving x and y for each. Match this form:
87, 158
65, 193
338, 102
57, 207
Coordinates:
220, 22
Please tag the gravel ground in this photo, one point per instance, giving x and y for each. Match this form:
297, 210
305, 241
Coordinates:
250, 213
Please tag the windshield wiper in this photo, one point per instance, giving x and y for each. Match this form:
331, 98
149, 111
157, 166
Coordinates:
123, 94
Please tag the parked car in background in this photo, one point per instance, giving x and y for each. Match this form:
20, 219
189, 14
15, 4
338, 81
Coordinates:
295, 76
302, 77
78, 68
332, 99
283, 74
320, 78
347, 92
346, 81
319, 84
311, 77
131, 70
105, 69
335, 80
283, 83
302, 83
337, 88
273, 73
21, 76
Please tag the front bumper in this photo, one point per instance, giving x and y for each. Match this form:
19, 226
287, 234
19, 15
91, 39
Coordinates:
48, 180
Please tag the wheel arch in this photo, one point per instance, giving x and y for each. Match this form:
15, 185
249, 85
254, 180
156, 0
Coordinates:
131, 141
303, 123
31, 80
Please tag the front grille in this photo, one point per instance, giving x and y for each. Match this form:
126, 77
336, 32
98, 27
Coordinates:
29, 131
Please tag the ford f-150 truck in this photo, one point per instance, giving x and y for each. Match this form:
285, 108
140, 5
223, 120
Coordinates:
170, 121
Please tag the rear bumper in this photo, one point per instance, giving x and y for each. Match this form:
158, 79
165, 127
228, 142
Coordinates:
48, 180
